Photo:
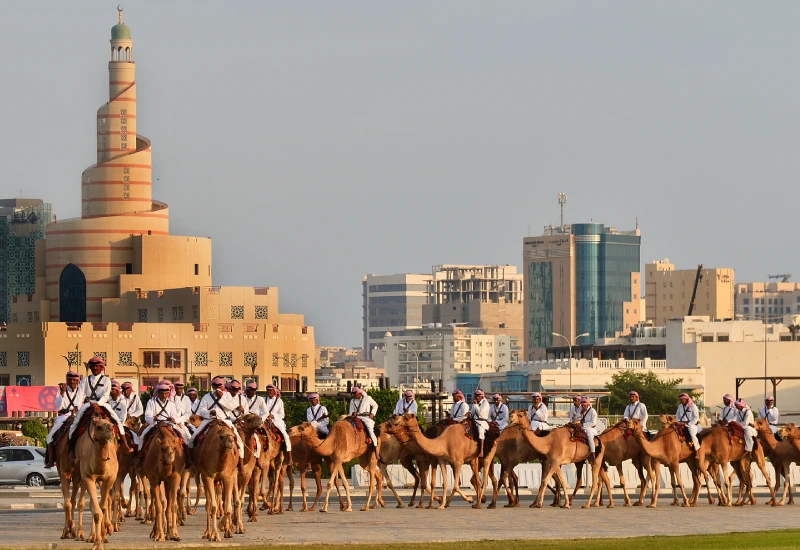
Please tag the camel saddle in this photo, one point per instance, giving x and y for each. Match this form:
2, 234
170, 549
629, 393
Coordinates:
269, 430
358, 425
735, 431
471, 431
200, 435
94, 410
156, 428
64, 429
685, 437
576, 433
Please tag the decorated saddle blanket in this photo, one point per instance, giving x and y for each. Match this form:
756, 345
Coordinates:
683, 433
201, 434
576, 433
274, 433
735, 431
94, 411
63, 430
157, 428
471, 431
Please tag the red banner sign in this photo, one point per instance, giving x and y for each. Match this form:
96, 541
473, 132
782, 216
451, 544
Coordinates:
30, 399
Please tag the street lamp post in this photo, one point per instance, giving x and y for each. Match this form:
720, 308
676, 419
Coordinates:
569, 345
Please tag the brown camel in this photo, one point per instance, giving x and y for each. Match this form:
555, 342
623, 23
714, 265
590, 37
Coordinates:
344, 443
667, 448
452, 447
392, 451
721, 449
69, 473
96, 452
124, 459
781, 454
247, 426
216, 459
268, 476
305, 460
164, 461
559, 449
134, 423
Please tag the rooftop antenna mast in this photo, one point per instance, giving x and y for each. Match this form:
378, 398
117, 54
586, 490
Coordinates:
562, 200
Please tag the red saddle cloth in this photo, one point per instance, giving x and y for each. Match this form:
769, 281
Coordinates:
149, 436
95, 410
735, 431
358, 426
269, 428
576, 433
63, 430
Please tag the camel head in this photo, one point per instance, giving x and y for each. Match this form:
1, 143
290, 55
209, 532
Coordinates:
101, 432
789, 431
400, 423
635, 424
251, 422
167, 450
306, 430
195, 420
134, 423
667, 419
762, 426
519, 416
228, 441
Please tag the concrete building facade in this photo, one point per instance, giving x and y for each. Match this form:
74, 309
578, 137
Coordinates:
481, 296
391, 303
668, 292
115, 283
579, 279
769, 302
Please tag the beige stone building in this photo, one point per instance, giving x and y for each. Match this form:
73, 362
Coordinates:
481, 296
116, 283
769, 302
668, 292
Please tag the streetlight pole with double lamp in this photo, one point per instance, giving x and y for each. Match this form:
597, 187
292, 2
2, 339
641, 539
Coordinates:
416, 357
569, 345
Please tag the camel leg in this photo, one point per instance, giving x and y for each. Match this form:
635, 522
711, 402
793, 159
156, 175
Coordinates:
69, 522
106, 503
385, 475
548, 473
679, 482
334, 475
228, 486
95, 536
81, 503
317, 469
157, 532
656, 484
375, 480
212, 531
495, 485
479, 487
343, 477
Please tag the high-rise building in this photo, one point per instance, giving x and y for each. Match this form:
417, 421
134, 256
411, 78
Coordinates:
391, 303
668, 292
481, 296
579, 279
769, 302
22, 223
115, 283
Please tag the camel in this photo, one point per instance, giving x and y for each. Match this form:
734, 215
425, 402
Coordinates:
452, 447
125, 460
135, 425
69, 473
392, 451
558, 448
781, 454
247, 426
304, 460
269, 472
667, 448
344, 443
216, 458
164, 461
96, 452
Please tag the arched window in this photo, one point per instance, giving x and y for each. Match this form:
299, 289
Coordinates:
72, 295
127, 54
120, 54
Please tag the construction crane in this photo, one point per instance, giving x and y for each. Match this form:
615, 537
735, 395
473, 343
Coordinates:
784, 276
697, 279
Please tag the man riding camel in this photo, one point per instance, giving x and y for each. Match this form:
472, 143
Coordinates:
480, 415
217, 405
275, 413
364, 407
70, 397
234, 388
117, 402
688, 415
575, 409
499, 411
181, 400
744, 417
636, 409
537, 412
588, 421
317, 414
253, 403
459, 410
406, 404
135, 408
770, 412
162, 408
96, 390
728, 413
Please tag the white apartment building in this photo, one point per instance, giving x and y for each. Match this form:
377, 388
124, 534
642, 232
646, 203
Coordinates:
391, 303
438, 353
767, 301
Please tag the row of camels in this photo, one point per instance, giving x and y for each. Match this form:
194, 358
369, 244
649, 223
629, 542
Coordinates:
160, 475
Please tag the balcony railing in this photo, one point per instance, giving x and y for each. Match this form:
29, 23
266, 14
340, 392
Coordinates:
201, 327
225, 327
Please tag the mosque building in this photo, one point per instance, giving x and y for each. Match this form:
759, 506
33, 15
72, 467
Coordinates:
115, 283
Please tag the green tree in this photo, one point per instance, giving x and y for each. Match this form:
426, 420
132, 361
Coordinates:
660, 396
386, 399
34, 429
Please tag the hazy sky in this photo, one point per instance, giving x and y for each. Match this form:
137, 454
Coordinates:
319, 141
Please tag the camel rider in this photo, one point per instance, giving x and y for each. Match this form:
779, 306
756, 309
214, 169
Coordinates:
728, 413
235, 390
181, 400
575, 409
744, 416
217, 405
499, 411
459, 410
537, 412
70, 397
687, 414
117, 402
317, 414
636, 409
96, 390
364, 407
161, 408
480, 415
770, 412
135, 408
194, 406
253, 403
588, 421
275, 414
406, 404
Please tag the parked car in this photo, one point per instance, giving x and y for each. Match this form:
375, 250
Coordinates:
19, 464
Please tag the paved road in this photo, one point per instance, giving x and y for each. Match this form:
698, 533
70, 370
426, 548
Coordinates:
39, 528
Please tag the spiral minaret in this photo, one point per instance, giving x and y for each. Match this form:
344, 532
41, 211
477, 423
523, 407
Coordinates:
116, 206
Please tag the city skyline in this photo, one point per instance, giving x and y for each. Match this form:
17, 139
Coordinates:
430, 120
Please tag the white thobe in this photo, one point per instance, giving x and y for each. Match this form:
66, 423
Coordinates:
459, 411
96, 389
66, 405
362, 408
274, 406
404, 407
588, 421
222, 405
500, 415
480, 415
745, 418
636, 410
538, 416
772, 415
689, 416
314, 415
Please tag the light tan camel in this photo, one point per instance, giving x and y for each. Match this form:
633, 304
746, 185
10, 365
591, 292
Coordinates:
163, 461
134, 423
719, 448
69, 473
559, 449
268, 476
344, 443
96, 452
452, 447
247, 426
305, 460
667, 448
216, 458
781, 454
392, 451
124, 459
